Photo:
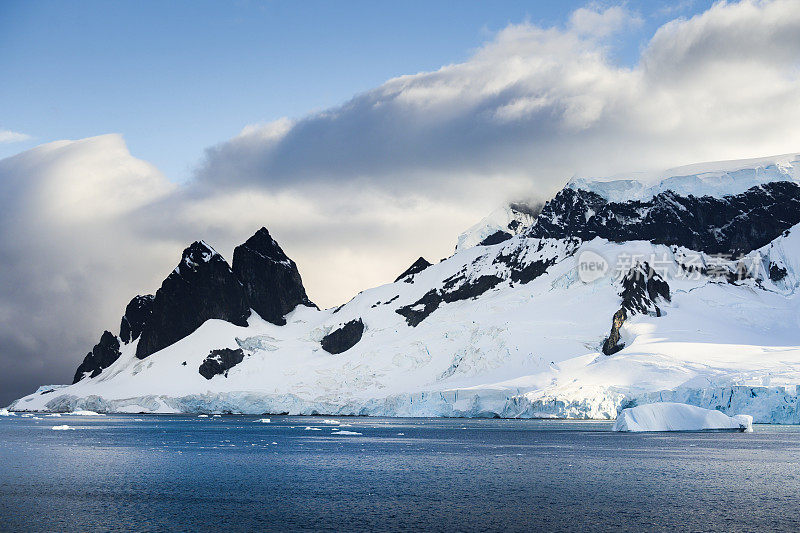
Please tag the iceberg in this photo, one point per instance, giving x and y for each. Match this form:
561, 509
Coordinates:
668, 416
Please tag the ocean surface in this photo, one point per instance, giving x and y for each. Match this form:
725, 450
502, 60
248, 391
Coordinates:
233, 473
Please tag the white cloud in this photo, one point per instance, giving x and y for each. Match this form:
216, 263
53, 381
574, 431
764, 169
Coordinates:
8, 136
598, 22
357, 192
535, 105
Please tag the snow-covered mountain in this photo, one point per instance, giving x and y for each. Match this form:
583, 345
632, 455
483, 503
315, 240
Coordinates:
602, 301
499, 225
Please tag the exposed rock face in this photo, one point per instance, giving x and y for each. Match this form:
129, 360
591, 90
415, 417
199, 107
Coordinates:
776, 273
496, 238
418, 266
220, 361
200, 288
343, 338
137, 314
456, 288
729, 225
102, 356
271, 281
517, 263
642, 287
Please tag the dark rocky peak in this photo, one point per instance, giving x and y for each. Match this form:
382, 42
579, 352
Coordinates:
102, 356
137, 313
642, 288
200, 288
271, 282
263, 244
418, 266
195, 256
729, 225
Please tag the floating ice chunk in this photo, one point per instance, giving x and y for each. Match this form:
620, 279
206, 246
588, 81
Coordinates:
264, 420
85, 413
53, 415
667, 416
331, 422
345, 432
309, 428
202, 416
216, 416
62, 428
27, 415
6, 412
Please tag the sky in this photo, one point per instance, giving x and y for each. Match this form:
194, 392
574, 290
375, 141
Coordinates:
177, 77
362, 134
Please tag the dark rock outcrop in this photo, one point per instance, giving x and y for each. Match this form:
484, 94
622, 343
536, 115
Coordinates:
497, 237
220, 361
271, 281
200, 288
642, 288
102, 356
420, 310
777, 273
418, 266
343, 338
137, 314
455, 288
730, 225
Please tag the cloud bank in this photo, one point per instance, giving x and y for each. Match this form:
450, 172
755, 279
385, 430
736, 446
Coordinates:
8, 136
355, 193
536, 105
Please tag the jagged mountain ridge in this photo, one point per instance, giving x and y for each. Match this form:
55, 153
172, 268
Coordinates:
732, 225
203, 287
509, 329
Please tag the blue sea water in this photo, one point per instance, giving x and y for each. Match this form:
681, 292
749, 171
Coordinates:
183, 473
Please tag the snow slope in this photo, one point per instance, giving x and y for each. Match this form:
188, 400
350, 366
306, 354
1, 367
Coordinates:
518, 350
511, 219
705, 179
507, 330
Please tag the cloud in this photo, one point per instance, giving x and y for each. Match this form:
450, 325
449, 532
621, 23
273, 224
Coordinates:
355, 193
535, 105
8, 136
70, 253
596, 22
